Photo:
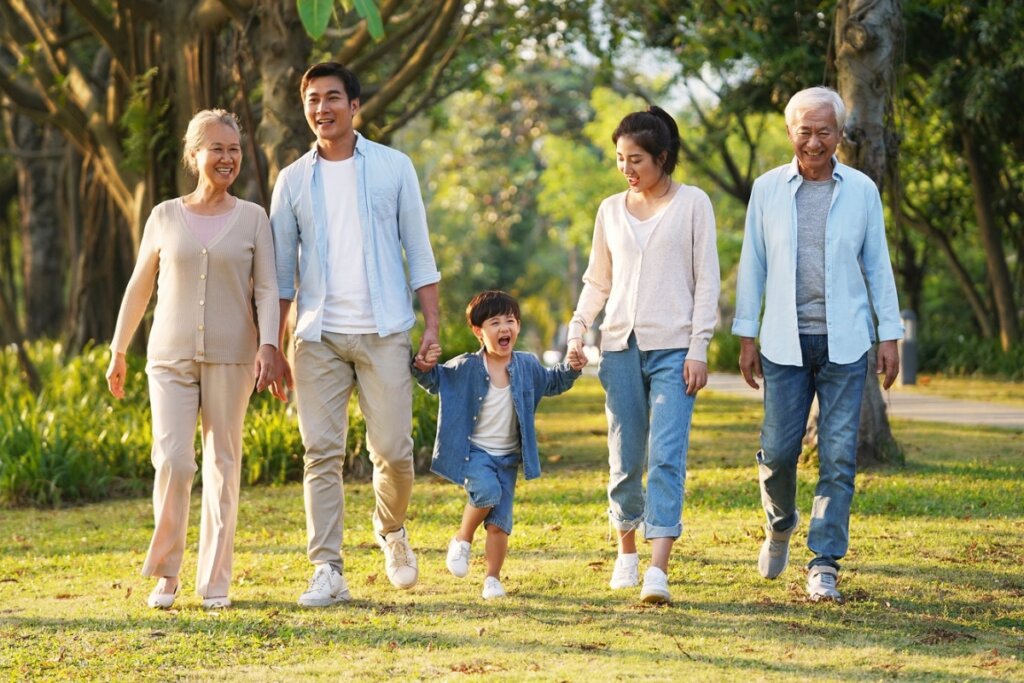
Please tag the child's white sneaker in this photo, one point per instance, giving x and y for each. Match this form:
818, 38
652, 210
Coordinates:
626, 573
655, 588
493, 588
458, 557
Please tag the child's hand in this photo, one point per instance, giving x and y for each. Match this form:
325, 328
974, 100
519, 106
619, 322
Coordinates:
425, 362
577, 359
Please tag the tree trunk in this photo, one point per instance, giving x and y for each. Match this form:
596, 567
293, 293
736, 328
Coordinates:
868, 38
37, 159
991, 239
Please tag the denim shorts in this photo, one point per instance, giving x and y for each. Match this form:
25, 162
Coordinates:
491, 483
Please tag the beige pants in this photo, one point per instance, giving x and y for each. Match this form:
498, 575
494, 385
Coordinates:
179, 392
325, 374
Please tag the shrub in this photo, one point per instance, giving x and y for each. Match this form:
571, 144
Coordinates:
75, 442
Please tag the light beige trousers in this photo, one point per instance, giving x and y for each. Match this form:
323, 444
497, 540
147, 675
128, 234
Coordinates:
181, 391
326, 372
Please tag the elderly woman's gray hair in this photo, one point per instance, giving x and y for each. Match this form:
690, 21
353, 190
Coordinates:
196, 133
816, 98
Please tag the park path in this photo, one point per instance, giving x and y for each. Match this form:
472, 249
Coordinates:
906, 405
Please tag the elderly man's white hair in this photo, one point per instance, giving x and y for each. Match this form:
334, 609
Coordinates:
815, 98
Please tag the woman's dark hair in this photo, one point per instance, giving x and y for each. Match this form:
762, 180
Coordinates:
347, 78
655, 131
489, 304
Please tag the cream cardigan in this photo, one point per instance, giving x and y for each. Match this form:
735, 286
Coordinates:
204, 307
666, 293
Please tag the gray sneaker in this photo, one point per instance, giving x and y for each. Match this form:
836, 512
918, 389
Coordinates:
774, 554
326, 587
821, 583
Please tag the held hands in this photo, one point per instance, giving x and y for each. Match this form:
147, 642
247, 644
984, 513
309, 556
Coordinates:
425, 361
283, 381
265, 368
115, 374
574, 354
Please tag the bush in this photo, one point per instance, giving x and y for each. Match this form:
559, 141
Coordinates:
960, 355
76, 443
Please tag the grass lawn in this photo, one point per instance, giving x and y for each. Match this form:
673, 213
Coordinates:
934, 579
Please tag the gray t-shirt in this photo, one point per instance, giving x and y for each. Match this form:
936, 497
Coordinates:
813, 199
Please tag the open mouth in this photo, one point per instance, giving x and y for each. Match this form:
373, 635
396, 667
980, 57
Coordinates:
504, 342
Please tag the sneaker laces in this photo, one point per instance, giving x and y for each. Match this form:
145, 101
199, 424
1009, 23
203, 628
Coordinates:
827, 580
401, 552
321, 578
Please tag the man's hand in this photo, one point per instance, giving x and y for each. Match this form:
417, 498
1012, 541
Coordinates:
574, 354
695, 374
888, 362
750, 361
265, 367
116, 372
279, 387
426, 362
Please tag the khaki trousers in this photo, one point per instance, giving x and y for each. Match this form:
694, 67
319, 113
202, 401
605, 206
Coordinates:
325, 374
179, 392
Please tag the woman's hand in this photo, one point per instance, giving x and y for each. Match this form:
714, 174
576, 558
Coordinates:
265, 368
574, 354
695, 374
116, 372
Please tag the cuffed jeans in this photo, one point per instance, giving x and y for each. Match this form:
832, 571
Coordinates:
788, 393
648, 424
326, 372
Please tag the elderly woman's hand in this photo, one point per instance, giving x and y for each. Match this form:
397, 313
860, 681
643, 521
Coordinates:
116, 372
266, 369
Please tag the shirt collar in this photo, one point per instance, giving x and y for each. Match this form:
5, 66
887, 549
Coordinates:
838, 169
360, 148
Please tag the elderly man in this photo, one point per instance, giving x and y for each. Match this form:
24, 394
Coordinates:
813, 250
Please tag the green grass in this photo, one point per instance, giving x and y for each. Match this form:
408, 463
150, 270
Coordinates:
934, 579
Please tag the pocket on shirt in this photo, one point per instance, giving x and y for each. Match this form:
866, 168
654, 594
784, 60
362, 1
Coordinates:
383, 205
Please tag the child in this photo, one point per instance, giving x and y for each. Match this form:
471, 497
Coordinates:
485, 425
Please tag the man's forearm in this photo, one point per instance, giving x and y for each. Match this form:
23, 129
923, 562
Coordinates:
286, 310
429, 305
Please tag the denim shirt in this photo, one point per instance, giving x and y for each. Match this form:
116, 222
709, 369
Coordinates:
856, 261
463, 382
393, 220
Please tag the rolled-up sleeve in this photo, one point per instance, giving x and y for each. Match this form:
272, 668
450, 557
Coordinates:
285, 229
753, 271
412, 226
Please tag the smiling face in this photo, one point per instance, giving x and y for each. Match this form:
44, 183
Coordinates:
498, 335
329, 112
815, 137
642, 171
219, 155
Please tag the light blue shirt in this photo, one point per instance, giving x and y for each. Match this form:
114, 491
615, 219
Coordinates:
856, 262
393, 221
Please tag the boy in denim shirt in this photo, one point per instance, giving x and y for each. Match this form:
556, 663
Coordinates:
485, 425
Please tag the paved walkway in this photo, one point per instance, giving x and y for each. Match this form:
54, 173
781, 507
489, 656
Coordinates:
906, 405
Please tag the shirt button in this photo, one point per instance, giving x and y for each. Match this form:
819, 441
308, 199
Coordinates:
202, 276
200, 328
202, 302
204, 251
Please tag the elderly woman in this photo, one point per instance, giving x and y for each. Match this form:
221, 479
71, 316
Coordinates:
655, 263
210, 256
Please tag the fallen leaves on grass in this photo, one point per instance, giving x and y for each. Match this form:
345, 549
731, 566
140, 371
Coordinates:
936, 636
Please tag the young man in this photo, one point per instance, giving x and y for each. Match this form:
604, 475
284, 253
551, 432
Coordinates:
343, 214
814, 248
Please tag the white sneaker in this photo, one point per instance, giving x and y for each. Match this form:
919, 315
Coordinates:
655, 588
326, 587
626, 573
399, 560
774, 555
493, 588
458, 557
821, 583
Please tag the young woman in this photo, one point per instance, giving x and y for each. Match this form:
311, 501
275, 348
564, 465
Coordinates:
654, 270
210, 255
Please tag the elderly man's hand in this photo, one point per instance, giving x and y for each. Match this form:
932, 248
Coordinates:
888, 362
750, 361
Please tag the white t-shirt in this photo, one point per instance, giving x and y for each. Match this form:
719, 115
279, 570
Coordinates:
642, 229
497, 429
347, 308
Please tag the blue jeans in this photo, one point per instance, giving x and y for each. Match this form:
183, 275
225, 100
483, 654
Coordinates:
491, 483
648, 424
788, 392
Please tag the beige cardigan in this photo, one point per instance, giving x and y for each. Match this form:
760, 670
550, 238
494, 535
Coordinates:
667, 293
204, 308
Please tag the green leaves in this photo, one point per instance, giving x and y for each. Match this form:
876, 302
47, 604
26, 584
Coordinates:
316, 15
